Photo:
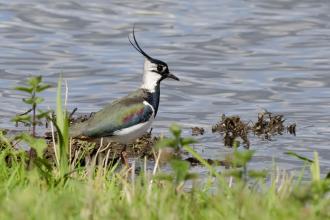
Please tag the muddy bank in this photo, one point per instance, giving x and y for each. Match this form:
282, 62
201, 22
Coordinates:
234, 130
83, 151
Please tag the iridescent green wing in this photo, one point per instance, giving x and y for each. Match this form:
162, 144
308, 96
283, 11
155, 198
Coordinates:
123, 113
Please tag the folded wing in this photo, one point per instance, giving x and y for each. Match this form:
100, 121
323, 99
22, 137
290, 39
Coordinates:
119, 115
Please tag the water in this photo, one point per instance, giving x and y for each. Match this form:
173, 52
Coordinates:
233, 57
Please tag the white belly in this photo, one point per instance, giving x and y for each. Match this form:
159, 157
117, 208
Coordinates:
128, 135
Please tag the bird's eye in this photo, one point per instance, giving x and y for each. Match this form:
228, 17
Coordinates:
159, 68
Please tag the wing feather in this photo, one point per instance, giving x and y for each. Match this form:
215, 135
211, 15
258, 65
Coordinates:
120, 114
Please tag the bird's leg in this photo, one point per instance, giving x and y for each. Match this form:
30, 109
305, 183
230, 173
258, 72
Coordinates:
124, 158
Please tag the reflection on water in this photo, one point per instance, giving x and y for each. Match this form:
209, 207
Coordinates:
233, 57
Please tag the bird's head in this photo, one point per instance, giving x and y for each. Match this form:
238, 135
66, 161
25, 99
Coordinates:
154, 70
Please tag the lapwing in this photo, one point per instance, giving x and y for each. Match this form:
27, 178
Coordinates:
128, 118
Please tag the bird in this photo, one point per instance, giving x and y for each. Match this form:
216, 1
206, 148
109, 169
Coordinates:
130, 117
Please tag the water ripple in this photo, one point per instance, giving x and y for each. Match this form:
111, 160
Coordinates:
233, 57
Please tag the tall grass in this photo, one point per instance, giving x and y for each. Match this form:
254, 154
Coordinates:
62, 125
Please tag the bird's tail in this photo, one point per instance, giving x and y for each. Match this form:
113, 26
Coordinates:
77, 129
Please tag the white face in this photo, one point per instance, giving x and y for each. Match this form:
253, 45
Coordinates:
150, 78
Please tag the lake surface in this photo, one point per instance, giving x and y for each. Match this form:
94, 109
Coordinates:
233, 57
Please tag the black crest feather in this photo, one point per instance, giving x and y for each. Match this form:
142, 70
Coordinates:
137, 46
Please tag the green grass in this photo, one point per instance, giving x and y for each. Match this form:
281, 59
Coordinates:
53, 191
105, 194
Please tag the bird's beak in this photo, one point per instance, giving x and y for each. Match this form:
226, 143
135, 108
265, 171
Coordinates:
173, 77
